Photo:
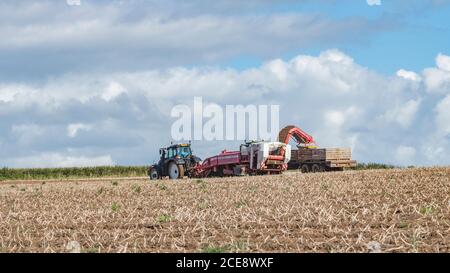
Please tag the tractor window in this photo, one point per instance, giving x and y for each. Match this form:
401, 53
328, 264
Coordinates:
184, 151
170, 153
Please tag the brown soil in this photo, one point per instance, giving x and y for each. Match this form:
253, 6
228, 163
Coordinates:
398, 210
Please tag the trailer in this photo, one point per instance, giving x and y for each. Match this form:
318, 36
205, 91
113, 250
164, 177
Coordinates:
309, 158
321, 160
253, 158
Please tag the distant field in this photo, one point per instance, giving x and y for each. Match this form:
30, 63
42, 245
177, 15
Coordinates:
67, 173
395, 210
104, 172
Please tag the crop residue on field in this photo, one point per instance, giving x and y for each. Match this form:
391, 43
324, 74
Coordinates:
358, 211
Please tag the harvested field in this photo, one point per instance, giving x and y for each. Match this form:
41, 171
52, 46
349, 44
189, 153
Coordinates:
394, 210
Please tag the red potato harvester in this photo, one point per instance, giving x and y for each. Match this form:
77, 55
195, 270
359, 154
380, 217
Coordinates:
254, 157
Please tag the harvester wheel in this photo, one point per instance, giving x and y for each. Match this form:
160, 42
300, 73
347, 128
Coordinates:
305, 169
154, 174
315, 168
175, 171
220, 172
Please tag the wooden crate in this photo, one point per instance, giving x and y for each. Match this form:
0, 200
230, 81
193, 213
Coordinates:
338, 153
328, 154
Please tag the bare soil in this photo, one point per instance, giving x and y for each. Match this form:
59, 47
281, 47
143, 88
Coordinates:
399, 210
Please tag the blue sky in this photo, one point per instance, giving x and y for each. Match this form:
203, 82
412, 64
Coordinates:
413, 34
94, 84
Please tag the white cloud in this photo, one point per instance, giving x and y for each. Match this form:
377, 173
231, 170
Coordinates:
443, 62
330, 96
405, 155
72, 129
119, 67
73, 2
9, 92
25, 134
335, 118
443, 116
133, 35
437, 80
404, 114
409, 75
435, 153
278, 68
56, 160
336, 56
373, 2
114, 89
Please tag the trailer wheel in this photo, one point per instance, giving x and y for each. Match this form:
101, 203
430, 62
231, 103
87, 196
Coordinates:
315, 168
175, 171
154, 174
305, 169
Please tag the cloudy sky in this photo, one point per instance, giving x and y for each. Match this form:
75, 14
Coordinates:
93, 84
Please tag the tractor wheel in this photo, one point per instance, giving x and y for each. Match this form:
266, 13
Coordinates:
305, 169
154, 174
315, 168
175, 171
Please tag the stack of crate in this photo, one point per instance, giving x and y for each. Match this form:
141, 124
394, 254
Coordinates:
328, 154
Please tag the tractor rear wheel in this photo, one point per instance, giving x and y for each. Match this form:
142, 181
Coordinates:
175, 171
154, 174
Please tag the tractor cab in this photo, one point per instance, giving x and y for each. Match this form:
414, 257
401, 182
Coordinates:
176, 151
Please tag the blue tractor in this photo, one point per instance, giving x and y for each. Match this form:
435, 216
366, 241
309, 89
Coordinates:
176, 161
